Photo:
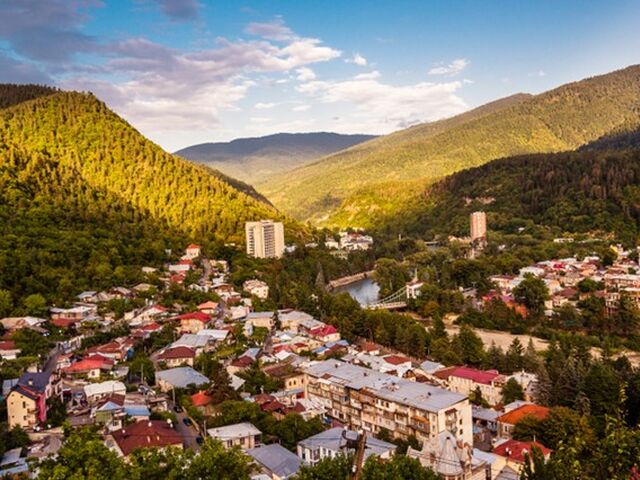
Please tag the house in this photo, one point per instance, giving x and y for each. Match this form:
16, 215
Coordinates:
215, 335
261, 319
8, 350
97, 391
256, 288
370, 348
514, 451
144, 434
243, 435
332, 442
192, 251
276, 461
466, 380
325, 333
109, 411
196, 342
450, 458
78, 313
27, 400
13, 464
177, 356
507, 422
193, 322
180, 377
119, 350
91, 367
209, 308
26, 407
182, 267
203, 402
16, 323
293, 319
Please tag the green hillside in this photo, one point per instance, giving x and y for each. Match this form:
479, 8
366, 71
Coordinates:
84, 197
571, 192
361, 184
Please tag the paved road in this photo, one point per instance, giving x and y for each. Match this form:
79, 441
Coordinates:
189, 433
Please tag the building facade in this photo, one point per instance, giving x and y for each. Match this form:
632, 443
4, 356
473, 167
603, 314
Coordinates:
478, 223
265, 239
365, 399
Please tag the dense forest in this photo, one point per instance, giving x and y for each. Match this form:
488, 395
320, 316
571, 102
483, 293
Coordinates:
360, 184
576, 192
84, 198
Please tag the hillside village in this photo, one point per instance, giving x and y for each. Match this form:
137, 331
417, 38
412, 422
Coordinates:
153, 374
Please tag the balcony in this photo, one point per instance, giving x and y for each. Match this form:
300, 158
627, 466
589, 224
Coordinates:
421, 424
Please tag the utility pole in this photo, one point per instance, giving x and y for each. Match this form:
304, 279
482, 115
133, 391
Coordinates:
359, 458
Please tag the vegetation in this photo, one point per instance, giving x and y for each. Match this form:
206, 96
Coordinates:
85, 199
359, 185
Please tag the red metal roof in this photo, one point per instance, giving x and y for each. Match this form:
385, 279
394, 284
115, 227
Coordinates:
177, 352
514, 416
515, 450
478, 376
201, 399
396, 359
146, 434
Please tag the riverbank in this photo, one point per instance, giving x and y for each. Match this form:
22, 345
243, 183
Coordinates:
344, 281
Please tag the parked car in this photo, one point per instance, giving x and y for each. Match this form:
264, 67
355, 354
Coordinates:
187, 421
177, 408
199, 440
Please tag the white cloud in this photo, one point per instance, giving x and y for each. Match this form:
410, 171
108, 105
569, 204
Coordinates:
165, 91
301, 108
381, 107
367, 76
275, 30
539, 73
260, 120
453, 68
305, 74
264, 106
357, 59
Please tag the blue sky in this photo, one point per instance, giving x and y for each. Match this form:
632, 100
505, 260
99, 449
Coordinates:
191, 71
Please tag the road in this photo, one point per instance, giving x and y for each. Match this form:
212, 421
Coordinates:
189, 433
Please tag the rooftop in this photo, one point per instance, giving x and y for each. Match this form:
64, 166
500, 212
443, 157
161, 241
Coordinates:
276, 459
514, 416
392, 388
181, 377
144, 434
516, 450
238, 430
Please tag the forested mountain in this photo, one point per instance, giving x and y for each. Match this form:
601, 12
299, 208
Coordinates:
256, 159
573, 192
84, 196
358, 185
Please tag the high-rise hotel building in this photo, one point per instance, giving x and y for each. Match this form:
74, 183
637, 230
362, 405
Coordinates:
265, 239
478, 221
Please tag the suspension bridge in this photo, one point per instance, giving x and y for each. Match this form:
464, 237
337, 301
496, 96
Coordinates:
395, 301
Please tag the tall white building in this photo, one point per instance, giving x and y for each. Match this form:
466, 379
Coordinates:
265, 239
478, 221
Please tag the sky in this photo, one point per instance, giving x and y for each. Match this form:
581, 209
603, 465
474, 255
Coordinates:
192, 71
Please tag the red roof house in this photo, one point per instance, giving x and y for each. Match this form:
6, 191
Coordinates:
146, 434
515, 450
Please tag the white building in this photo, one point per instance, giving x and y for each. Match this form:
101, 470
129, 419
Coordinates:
243, 435
257, 288
265, 239
478, 221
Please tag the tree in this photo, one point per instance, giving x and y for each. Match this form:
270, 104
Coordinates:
337, 468
527, 429
532, 293
6, 303
512, 391
627, 316
399, 467
34, 304
215, 461
471, 346
83, 456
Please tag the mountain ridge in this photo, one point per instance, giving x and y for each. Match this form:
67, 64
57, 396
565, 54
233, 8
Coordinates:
257, 158
352, 186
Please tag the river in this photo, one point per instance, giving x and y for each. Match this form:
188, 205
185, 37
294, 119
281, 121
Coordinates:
365, 291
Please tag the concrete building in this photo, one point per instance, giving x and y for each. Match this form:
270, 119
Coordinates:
265, 239
478, 223
362, 398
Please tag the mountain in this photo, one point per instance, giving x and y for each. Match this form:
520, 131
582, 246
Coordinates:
373, 180
256, 159
84, 197
576, 192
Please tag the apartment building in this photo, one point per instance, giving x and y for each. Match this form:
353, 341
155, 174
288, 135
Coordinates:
478, 226
265, 239
369, 400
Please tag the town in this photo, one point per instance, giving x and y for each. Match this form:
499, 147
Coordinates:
189, 356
